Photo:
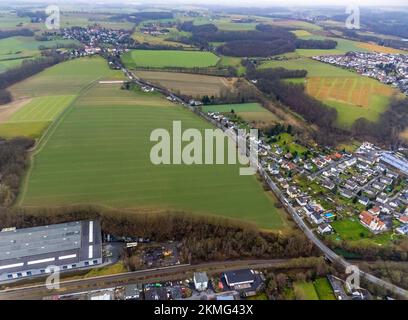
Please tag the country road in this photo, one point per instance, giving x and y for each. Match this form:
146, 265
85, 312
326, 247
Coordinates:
38, 291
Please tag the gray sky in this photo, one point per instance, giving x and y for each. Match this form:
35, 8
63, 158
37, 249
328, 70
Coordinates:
344, 3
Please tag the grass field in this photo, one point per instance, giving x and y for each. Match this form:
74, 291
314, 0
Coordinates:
99, 153
162, 39
42, 109
34, 117
343, 46
23, 129
305, 291
352, 230
232, 62
14, 50
65, 79
50, 94
323, 289
226, 23
352, 95
254, 113
194, 85
169, 58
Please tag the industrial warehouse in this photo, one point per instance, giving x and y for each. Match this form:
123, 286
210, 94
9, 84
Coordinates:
35, 251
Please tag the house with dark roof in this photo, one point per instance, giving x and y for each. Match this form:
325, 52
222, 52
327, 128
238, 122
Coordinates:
246, 281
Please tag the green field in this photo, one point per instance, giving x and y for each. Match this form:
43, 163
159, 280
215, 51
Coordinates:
14, 50
352, 95
232, 62
352, 230
32, 129
324, 289
42, 109
34, 117
66, 78
98, 153
305, 291
52, 93
313, 68
253, 113
169, 58
240, 107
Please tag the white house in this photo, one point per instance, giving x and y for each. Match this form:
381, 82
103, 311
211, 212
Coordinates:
324, 228
372, 222
200, 281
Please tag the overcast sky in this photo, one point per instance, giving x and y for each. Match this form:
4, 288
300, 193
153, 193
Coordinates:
282, 2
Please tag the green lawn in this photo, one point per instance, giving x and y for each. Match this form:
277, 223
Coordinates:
352, 95
42, 109
324, 289
239, 107
305, 291
350, 229
169, 58
99, 153
253, 113
66, 78
286, 142
232, 62
14, 50
23, 129
313, 68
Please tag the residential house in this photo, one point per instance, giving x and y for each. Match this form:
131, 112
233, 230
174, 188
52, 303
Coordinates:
308, 166
372, 222
200, 281
375, 210
350, 185
302, 201
382, 198
292, 192
346, 193
403, 229
328, 184
403, 219
386, 180
273, 169
316, 218
351, 162
364, 201
324, 228
379, 185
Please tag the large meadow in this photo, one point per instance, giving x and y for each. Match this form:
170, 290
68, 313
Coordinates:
39, 100
97, 151
352, 95
169, 58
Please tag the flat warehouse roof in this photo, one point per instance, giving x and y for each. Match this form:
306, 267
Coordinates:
40, 240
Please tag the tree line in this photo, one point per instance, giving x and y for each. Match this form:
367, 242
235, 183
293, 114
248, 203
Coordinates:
203, 238
28, 68
14, 33
269, 81
388, 128
265, 41
13, 162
